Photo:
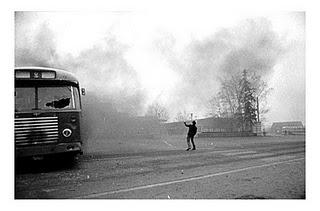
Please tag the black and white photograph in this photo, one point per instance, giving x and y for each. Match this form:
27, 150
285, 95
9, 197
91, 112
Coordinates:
159, 104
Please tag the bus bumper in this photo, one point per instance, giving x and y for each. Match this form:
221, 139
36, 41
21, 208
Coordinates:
43, 150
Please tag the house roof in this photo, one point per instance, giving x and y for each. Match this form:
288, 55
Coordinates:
283, 124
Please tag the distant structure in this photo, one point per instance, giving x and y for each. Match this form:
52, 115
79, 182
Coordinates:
288, 128
212, 126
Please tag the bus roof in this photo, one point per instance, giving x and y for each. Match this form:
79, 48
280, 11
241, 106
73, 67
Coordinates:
60, 74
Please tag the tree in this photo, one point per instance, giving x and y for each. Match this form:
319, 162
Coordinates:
227, 100
157, 111
247, 103
230, 100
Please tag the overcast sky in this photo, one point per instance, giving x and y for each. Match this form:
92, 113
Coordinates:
174, 58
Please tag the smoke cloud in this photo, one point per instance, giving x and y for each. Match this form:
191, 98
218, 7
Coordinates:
252, 45
114, 94
102, 69
113, 83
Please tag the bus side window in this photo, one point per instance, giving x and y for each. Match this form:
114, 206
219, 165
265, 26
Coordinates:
76, 97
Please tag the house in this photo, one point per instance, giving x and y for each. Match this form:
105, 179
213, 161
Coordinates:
288, 128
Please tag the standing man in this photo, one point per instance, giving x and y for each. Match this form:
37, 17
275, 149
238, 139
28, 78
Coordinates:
191, 133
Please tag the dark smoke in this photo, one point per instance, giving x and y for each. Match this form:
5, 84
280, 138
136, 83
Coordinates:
252, 45
38, 50
259, 49
105, 71
102, 69
114, 95
113, 87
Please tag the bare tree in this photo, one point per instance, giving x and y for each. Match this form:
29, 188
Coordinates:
228, 101
157, 111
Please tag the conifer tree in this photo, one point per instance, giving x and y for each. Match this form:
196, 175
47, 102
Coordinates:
248, 101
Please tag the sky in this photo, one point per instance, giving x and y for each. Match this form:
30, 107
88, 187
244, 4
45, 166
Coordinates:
174, 58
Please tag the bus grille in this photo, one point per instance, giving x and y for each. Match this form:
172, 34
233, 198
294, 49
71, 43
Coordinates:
32, 131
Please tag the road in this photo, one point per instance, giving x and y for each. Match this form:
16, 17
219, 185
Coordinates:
220, 168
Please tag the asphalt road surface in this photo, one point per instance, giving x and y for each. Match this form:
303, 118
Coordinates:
220, 168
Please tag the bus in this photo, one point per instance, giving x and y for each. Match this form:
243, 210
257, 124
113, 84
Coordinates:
47, 113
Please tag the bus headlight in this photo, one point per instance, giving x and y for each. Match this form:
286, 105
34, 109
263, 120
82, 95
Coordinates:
67, 132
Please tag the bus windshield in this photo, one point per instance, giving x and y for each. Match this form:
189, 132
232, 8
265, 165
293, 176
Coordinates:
46, 98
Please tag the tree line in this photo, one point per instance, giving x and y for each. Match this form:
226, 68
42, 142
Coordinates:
242, 96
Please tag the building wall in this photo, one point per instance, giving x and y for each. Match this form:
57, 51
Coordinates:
219, 125
283, 128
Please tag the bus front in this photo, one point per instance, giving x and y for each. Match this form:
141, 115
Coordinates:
47, 113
